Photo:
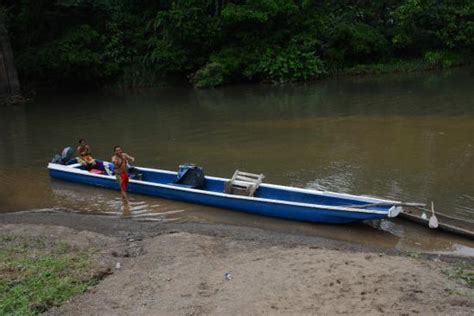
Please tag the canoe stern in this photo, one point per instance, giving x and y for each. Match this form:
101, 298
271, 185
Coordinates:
394, 211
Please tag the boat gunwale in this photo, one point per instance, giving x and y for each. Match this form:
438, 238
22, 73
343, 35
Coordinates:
365, 198
73, 169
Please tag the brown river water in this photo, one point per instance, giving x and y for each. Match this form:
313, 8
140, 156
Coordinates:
408, 137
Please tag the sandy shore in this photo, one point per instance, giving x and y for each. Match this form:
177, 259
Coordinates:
179, 269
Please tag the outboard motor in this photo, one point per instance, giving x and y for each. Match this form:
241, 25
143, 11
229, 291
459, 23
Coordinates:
57, 159
67, 154
65, 157
135, 174
191, 175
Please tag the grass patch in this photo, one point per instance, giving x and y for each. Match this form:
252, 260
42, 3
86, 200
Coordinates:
464, 273
413, 254
37, 274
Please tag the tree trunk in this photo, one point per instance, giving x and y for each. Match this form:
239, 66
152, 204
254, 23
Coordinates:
9, 84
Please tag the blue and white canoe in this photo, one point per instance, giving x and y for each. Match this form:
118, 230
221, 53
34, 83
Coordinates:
269, 199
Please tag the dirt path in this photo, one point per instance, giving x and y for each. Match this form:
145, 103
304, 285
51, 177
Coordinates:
183, 274
171, 272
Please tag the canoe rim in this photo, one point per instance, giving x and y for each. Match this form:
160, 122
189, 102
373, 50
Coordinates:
392, 212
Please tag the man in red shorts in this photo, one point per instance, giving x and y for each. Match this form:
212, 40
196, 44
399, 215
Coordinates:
120, 160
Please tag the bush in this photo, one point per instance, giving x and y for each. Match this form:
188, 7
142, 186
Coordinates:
209, 76
358, 42
419, 26
238, 62
74, 57
441, 59
83, 42
288, 65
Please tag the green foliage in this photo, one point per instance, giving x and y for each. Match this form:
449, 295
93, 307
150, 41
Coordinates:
432, 24
166, 57
403, 66
359, 42
66, 57
182, 37
464, 273
287, 65
442, 59
34, 275
233, 59
209, 76
257, 11
74, 51
62, 43
70, 42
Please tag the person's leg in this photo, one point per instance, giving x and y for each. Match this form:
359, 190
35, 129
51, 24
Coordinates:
126, 209
123, 191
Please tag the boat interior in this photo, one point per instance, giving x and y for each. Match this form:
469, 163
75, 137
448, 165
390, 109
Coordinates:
214, 184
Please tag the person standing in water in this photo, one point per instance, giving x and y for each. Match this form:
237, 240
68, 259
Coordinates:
120, 161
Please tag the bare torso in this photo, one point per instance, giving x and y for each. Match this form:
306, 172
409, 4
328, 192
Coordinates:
83, 150
120, 162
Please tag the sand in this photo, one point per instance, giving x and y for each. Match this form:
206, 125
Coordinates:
183, 273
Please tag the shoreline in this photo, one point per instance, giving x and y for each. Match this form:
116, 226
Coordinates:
215, 269
125, 228
361, 71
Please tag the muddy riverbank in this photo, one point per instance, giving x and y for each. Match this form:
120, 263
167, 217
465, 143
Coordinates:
124, 228
180, 269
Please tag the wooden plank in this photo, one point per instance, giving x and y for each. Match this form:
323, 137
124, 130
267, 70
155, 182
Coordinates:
236, 173
242, 184
239, 191
242, 178
447, 223
250, 174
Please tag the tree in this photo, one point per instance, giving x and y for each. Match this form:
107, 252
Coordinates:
9, 84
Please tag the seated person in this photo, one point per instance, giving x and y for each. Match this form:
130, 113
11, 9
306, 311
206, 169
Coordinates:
84, 154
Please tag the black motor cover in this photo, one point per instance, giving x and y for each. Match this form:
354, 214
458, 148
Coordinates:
64, 157
191, 175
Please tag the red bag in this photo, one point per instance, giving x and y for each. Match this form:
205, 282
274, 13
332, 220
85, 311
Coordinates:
96, 171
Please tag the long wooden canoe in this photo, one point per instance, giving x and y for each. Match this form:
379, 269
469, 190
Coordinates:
269, 199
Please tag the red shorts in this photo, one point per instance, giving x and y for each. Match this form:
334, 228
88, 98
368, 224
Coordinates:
122, 180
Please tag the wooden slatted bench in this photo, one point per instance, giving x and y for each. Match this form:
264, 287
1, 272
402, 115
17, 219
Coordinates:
243, 183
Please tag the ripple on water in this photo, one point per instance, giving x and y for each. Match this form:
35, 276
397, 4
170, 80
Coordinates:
99, 201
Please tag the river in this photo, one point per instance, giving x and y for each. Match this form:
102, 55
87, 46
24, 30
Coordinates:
407, 137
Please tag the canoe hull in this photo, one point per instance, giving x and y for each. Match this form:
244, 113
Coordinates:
291, 211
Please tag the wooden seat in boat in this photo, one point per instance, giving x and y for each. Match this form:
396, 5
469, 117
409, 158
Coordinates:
243, 183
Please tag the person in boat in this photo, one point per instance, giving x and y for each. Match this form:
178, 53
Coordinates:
84, 154
120, 161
